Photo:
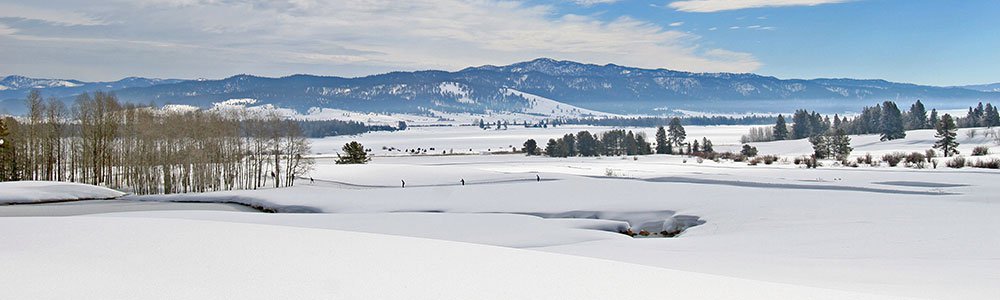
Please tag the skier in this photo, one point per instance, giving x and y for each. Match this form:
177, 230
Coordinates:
404, 183
538, 178
463, 181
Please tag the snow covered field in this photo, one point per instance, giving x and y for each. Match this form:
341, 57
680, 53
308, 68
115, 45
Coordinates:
750, 232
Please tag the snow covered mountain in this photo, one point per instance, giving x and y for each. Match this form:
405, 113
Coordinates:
484, 89
16, 86
990, 87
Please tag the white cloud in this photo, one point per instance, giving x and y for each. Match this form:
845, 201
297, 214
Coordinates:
50, 15
4, 30
593, 2
675, 24
723, 5
191, 38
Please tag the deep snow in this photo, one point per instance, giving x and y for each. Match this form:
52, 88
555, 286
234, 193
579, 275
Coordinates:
770, 231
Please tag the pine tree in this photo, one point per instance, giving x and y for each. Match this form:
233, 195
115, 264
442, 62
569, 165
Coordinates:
531, 147
354, 153
586, 144
917, 117
946, 133
780, 129
840, 144
991, 117
748, 151
570, 142
631, 147
891, 122
695, 147
640, 140
821, 146
552, 149
933, 120
706, 145
662, 145
802, 127
677, 134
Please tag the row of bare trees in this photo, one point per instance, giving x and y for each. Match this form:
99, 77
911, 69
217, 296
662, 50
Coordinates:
145, 150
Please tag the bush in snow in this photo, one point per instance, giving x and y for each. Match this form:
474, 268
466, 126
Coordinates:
988, 164
980, 151
748, 151
915, 158
930, 153
865, 159
893, 159
957, 162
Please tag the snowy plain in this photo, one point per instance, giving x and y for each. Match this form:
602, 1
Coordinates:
543, 228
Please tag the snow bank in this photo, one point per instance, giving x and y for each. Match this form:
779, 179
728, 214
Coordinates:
129, 258
49, 191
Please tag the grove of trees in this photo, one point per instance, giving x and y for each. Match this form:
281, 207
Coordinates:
143, 150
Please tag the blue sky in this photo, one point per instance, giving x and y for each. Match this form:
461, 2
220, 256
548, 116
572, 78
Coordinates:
924, 42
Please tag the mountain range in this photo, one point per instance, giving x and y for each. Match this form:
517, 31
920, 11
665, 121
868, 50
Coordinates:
609, 88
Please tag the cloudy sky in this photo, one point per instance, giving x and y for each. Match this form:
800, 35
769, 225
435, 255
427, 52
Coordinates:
920, 41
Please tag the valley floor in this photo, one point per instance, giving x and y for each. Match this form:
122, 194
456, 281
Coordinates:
536, 227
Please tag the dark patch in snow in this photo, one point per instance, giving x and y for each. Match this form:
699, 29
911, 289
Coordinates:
922, 184
768, 185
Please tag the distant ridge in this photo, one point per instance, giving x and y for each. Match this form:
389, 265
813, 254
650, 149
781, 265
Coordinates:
608, 88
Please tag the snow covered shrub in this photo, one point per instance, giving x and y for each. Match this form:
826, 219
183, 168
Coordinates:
865, 159
980, 151
893, 159
915, 158
988, 164
768, 159
930, 154
813, 163
700, 160
609, 172
971, 133
808, 161
957, 162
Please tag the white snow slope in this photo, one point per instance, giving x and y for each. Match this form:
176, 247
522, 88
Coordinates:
47, 191
770, 232
136, 258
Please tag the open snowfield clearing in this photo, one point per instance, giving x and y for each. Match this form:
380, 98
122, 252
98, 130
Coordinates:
749, 232
472, 140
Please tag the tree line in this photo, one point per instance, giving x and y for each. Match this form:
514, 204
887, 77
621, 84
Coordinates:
140, 149
620, 142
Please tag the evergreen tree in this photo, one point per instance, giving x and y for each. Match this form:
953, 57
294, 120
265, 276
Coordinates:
644, 148
802, 127
706, 145
917, 117
570, 142
695, 147
821, 146
631, 147
676, 132
780, 129
946, 134
933, 120
891, 122
552, 148
662, 145
748, 151
531, 147
354, 153
991, 117
586, 144
840, 144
